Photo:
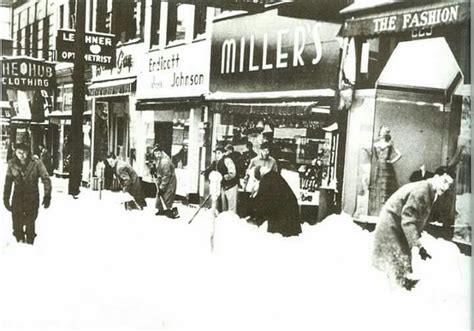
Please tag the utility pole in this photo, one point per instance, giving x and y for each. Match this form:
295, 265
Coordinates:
76, 139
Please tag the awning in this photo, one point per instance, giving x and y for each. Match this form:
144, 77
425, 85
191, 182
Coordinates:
168, 104
115, 87
274, 95
281, 109
405, 19
67, 114
367, 5
425, 64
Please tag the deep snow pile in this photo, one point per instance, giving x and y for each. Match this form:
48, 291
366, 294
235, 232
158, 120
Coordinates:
96, 266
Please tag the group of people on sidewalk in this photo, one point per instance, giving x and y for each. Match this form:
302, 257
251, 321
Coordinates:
269, 198
397, 246
162, 170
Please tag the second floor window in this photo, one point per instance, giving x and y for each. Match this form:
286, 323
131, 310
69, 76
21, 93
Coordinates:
180, 17
128, 19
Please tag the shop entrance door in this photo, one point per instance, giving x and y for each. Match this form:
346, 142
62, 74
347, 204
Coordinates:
164, 135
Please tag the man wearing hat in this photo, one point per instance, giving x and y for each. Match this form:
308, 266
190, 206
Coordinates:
165, 183
23, 173
229, 184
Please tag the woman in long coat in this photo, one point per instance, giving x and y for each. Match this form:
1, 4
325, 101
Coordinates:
276, 203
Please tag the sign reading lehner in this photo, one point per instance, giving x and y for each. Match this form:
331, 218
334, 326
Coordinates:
100, 47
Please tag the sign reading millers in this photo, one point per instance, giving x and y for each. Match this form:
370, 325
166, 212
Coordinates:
100, 47
25, 73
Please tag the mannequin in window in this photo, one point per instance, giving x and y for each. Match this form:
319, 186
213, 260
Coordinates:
421, 174
385, 183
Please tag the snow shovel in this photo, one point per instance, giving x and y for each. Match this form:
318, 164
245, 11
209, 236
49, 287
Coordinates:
199, 209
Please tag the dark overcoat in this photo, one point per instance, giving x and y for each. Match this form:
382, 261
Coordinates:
25, 189
276, 203
401, 221
165, 181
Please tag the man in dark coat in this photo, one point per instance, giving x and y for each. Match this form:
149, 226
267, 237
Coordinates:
24, 171
166, 183
45, 156
403, 217
129, 181
276, 203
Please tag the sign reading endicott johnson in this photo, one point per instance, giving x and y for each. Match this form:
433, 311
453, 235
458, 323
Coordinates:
180, 71
25, 73
273, 53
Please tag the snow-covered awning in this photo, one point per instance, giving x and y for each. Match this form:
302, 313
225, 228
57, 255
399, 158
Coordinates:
414, 65
273, 95
115, 87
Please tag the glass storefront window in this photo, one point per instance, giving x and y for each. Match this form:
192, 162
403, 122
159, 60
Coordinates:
462, 224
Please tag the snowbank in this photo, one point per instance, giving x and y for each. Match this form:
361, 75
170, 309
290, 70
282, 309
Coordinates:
96, 266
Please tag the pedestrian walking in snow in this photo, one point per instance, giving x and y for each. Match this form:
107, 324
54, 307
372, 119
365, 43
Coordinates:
276, 203
397, 247
229, 184
129, 181
166, 183
23, 173
45, 156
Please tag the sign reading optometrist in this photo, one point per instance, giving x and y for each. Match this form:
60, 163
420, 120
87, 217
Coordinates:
273, 53
422, 17
26, 73
100, 47
180, 71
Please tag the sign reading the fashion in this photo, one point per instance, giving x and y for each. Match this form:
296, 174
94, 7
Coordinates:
25, 73
408, 19
100, 47
273, 53
180, 71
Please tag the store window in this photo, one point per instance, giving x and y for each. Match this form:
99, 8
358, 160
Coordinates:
180, 143
462, 225
304, 145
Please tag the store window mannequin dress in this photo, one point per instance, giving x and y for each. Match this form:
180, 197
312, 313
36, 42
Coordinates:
385, 181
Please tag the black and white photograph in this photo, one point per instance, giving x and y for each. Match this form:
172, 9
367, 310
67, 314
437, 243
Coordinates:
247, 165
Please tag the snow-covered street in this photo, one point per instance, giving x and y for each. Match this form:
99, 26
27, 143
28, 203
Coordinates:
95, 266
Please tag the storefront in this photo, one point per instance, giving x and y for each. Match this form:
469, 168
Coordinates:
27, 86
276, 81
59, 128
412, 77
113, 94
172, 113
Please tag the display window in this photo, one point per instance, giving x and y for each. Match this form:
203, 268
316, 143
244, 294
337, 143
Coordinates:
303, 145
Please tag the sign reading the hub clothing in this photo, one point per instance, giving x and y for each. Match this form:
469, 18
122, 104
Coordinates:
273, 53
408, 19
100, 47
25, 73
180, 71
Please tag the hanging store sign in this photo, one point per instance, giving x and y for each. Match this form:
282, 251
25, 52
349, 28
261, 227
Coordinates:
25, 73
408, 19
175, 72
100, 47
273, 53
